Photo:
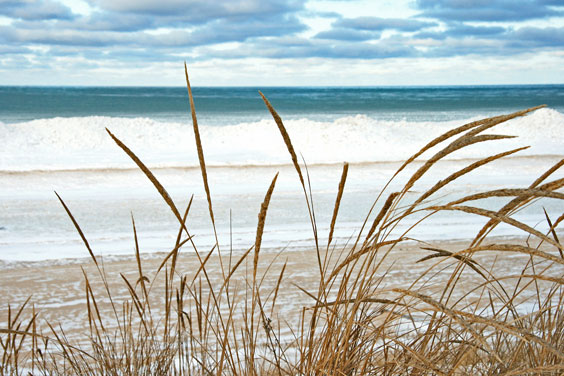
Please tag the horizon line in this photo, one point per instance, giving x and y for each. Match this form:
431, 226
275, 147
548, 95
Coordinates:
281, 86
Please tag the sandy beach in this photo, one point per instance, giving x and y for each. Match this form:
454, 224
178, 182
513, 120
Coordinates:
57, 288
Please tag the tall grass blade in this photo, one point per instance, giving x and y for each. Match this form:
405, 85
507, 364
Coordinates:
501, 218
261, 222
285, 137
199, 147
78, 229
552, 231
337, 202
162, 191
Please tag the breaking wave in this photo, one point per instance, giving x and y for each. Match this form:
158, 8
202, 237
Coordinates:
82, 142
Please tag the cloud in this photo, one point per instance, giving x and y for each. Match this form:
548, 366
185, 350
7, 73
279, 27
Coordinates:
95, 22
480, 48
369, 28
107, 21
379, 24
488, 10
54, 37
381, 50
13, 50
201, 11
35, 10
286, 48
347, 34
461, 41
469, 30
136, 32
223, 31
108, 28
219, 31
533, 37
460, 30
153, 24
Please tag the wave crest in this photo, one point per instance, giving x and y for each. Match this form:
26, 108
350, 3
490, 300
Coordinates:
82, 142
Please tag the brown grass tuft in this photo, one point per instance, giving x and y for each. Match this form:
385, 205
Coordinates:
462, 313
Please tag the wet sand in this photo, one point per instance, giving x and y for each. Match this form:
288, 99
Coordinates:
57, 288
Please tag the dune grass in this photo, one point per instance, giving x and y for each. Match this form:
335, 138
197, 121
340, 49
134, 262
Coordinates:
464, 314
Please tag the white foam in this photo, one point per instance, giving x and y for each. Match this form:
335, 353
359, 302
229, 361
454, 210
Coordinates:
33, 225
82, 143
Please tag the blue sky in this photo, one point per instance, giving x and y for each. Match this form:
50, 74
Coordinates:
281, 42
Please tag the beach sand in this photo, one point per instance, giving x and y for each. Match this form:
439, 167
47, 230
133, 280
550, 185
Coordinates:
57, 288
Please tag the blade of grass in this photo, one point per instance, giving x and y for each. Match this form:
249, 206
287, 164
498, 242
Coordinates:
199, 147
162, 191
337, 202
78, 229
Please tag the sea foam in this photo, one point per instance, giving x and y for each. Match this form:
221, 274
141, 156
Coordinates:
82, 142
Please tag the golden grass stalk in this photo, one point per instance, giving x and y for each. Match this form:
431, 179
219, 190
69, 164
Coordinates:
523, 193
514, 248
199, 147
501, 218
461, 143
285, 137
162, 191
98, 268
482, 124
142, 278
552, 230
472, 130
338, 202
516, 202
444, 253
308, 198
384, 211
261, 222
78, 229
463, 172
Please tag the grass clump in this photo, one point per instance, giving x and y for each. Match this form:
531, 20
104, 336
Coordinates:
462, 314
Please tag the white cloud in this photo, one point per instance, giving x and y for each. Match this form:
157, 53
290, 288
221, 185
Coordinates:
370, 42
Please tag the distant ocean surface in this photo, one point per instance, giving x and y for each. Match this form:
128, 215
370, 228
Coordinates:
234, 105
54, 138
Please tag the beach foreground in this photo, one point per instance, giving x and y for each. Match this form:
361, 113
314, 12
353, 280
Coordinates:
378, 301
399, 302
58, 289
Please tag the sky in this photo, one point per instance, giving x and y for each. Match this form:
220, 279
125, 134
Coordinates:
281, 42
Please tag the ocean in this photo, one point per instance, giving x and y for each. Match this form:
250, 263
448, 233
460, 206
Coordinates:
54, 139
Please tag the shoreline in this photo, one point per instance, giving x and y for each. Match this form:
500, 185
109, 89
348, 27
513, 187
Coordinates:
57, 288
157, 256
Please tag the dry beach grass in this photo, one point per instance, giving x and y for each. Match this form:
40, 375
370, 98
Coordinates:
382, 304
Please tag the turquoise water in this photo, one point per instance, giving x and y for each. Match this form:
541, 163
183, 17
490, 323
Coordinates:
221, 105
